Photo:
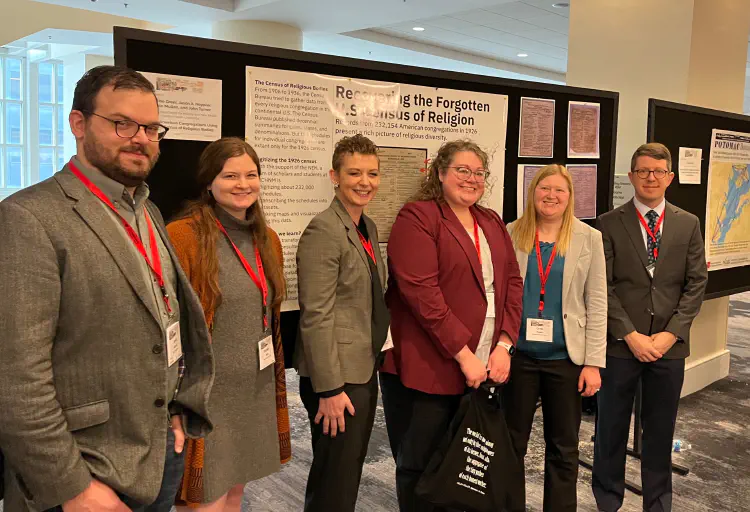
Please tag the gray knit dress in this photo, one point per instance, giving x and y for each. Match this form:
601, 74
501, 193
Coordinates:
244, 445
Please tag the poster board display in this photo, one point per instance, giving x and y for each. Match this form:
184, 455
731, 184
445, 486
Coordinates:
172, 180
293, 116
685, 126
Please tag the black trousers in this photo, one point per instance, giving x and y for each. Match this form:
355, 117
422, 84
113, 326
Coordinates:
661, 386
416, 424
333, 483
556, 382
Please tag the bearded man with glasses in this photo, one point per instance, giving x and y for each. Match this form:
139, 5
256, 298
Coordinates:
106, 362
656, 277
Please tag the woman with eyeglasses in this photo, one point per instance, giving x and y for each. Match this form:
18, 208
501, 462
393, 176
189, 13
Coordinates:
455, 298
562, 343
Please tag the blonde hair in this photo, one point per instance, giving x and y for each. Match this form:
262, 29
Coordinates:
524, 229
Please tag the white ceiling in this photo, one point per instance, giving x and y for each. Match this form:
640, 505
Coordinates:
501, 32
482, 31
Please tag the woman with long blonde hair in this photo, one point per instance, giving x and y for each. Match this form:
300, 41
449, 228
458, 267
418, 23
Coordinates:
562, 343
234, 261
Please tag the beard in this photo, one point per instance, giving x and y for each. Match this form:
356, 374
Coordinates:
107, 161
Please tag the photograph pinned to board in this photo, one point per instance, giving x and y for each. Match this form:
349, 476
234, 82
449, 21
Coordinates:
526, 173
584, 186
689, 172
190, 107
583, 129
536, 134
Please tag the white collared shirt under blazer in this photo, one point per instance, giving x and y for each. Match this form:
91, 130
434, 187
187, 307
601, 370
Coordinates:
584, 299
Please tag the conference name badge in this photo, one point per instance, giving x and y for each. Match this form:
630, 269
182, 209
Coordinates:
174, 344
539, 329
266, 356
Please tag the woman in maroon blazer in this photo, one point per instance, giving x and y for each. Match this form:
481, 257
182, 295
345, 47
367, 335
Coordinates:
455, 296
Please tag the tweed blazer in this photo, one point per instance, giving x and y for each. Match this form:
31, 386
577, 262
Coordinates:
335, 345
584, 300
83, 381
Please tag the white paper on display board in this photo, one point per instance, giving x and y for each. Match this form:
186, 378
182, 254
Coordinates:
584, 187
727, 236
583, 129
294, 119
536, 133
689, 171
622, 191
190, 107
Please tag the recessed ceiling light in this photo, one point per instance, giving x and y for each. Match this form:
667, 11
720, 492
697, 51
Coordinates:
561, 5
522, 55
418, 29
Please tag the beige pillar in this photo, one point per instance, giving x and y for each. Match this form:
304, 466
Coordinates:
687, 51
264, 33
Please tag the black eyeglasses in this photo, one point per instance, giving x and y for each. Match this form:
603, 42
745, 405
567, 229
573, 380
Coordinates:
464, 173
659, 174
128, 129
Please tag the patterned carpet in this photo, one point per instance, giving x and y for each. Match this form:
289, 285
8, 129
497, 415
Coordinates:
714, 421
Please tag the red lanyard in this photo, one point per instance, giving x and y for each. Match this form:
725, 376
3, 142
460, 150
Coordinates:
476, 241
543, 276
259, 282
155, 262
367, 244
652, 234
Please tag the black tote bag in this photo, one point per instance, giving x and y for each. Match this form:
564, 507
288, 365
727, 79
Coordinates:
475, 468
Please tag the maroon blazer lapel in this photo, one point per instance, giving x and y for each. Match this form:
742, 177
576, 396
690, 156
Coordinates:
465, 241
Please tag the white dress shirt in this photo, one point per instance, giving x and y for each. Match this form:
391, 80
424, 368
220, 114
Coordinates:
643, 209
488, 276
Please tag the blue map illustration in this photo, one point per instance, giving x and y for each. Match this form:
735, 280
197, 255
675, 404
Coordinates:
735, 202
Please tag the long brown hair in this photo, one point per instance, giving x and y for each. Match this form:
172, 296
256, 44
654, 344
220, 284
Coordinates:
201, 211
432, 188
524, 229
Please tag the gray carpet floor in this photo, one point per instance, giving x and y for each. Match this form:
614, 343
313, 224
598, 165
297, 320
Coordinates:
714, 421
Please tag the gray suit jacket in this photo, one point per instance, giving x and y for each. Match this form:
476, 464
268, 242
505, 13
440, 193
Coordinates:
83, 372
668, 302
584, 298
335, 346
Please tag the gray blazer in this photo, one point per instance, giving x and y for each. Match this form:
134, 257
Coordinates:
584, 300
82, 383
668, 302
335, 346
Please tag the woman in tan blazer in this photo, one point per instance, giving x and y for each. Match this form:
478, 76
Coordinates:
562, 343
343, 326
235, 264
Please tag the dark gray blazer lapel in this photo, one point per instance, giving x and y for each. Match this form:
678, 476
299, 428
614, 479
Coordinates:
351, 232
668, 231
98, 220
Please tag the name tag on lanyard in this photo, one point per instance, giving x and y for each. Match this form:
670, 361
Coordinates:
266, 355
539, 329
173, 344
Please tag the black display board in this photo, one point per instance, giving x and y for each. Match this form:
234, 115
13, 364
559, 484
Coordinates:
676, 125
172, 180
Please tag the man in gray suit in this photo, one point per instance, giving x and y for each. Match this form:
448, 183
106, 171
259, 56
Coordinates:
106, 363
656, 276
